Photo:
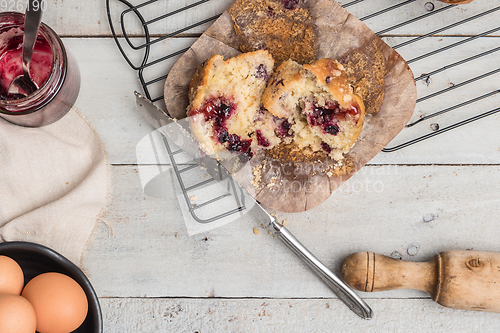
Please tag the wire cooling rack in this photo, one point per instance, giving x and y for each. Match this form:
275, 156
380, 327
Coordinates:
467, 82
151, 16
232, 207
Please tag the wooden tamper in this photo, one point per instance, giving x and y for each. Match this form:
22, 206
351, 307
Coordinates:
468, 280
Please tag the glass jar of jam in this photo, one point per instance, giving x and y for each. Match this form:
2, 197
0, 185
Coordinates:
52, 68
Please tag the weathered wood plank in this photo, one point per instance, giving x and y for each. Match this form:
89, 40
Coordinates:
146, 252
471, 138
146, 268
107, 101
288, 315
376, 16
74, 18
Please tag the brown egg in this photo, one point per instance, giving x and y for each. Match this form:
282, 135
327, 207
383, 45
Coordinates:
11, 276
16, 314
60, 303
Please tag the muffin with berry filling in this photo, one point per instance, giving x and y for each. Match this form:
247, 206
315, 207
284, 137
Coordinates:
283, 27
316, 106
225, 104
365, 68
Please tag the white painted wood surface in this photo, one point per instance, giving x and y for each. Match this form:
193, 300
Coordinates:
89, 18
381, 209
438, 195
120, 125
290, 315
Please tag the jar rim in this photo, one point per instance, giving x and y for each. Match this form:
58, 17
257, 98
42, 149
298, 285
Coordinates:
58, 58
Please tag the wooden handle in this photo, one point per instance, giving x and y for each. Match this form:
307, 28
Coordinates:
368, 271
468, 280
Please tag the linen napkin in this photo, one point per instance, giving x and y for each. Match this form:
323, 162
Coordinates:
54, 183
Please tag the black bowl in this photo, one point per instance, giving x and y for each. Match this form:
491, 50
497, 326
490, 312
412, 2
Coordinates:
36, 259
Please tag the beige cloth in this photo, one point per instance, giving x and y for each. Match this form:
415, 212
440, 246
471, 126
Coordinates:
53, 184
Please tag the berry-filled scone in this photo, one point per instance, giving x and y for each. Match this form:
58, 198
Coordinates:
225, 104
315, 105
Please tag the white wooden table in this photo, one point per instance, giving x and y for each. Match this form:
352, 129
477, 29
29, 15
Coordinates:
437, 195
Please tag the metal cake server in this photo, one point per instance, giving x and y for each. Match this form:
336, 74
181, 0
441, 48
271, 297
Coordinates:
180, 135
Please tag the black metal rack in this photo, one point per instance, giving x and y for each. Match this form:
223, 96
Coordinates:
151, 37
232, 190
149, 41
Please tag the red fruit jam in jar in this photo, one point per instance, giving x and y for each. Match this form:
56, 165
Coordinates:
52, 69
11, 44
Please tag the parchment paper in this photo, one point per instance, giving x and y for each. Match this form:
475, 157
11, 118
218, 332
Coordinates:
297, 187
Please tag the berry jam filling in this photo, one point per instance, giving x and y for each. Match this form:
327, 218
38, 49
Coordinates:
262, 72
11, 60
283, 127
326, 147
235, 144
219, 110
261, 140
327, 117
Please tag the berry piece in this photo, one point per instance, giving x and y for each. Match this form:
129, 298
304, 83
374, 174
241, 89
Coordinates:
326, 147
332, 129
261, 139
235, 144
283, 127
280, 81
224, 137
290, 4
328, 116
219, 110
262, 72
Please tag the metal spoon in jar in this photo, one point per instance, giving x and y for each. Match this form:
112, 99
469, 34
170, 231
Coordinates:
23, 84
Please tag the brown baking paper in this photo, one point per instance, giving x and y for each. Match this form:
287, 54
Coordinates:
291, 186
